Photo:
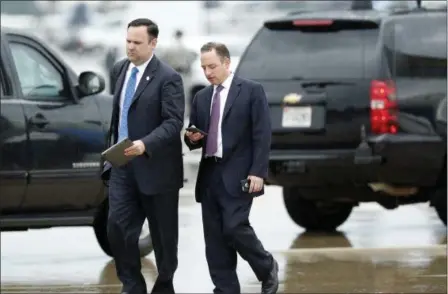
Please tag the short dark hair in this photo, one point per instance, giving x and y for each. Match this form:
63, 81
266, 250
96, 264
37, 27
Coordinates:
221, 50
151, 27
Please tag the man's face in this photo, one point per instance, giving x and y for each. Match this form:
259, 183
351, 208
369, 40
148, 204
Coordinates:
216, 68
138, 44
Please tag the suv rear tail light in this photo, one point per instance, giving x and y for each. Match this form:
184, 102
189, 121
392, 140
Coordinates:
383, 107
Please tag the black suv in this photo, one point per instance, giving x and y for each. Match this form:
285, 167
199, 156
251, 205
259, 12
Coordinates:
358, 109
53, 128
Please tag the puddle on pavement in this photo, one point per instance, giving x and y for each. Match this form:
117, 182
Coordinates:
324, 270
381, 252
334, 268
367, 271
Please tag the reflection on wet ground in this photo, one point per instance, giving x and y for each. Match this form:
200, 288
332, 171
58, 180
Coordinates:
344, 270
376, 251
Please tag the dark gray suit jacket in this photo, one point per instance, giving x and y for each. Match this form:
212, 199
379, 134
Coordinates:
246, 134
156, 117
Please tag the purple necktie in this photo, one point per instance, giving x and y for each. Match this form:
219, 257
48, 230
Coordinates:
212, 137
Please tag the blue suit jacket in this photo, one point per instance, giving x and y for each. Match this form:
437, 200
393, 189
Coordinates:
156, 117
246, 133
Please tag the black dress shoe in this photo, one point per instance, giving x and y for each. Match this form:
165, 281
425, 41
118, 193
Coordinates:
270, 285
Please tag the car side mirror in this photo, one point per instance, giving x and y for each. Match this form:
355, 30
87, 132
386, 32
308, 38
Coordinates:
90, 83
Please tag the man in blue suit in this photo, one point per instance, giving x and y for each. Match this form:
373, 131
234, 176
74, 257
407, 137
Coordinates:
148, 108
235, 115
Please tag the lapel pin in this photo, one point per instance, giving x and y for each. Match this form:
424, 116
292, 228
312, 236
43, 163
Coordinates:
147, 78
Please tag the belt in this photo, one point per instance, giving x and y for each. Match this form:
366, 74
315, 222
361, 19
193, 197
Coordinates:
213, 159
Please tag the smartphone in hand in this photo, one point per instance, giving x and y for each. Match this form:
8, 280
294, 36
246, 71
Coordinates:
245, 185
194, 129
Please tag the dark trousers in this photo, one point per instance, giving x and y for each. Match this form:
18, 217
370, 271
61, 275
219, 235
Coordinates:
227, 231
128, 208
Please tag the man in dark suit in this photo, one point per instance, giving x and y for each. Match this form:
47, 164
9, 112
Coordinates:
235, 114
148, 108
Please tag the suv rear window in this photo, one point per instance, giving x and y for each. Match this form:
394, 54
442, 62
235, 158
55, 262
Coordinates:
283, 51
416, 47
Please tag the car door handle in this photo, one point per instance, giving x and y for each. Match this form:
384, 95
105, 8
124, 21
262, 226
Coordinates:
38, 120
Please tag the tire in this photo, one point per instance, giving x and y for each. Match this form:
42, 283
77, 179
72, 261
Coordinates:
316, 216
100, 229
440, 203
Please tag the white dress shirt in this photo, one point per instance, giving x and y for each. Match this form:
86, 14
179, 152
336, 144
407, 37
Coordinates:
223, 95
141, 69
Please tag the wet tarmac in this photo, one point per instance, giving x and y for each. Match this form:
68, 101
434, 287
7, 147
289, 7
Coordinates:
376, 251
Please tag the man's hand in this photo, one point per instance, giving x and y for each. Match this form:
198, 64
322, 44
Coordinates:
194, 137
137, 148
256, 184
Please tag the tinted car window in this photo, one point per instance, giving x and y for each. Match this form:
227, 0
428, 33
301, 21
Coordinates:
312, 53
417, 48
39, 79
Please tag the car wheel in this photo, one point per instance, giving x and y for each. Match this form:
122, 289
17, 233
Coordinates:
315, 215
100, 228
